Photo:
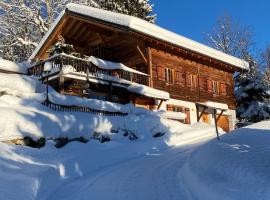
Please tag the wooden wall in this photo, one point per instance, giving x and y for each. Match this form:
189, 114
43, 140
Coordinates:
181, 88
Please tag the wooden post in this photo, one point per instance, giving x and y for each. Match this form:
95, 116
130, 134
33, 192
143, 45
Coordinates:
215, 117
200, 116
197, 112
150, 66
160, 103
47, 88
220, 114
110, 91
61, 78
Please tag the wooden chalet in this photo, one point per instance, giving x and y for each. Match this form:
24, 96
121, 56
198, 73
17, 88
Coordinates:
123, 59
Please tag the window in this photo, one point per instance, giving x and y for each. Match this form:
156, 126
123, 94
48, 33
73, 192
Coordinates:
169, 75
193, 81
215, 86
175, 108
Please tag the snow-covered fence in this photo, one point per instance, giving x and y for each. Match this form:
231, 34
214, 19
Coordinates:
65, 108
57, 63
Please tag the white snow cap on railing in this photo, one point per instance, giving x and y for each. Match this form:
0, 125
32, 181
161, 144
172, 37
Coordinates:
107, 65
148, 91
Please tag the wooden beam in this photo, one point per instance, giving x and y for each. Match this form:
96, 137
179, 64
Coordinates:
141, 53
200, 116
103, 40
150, 66
220, 114
215, 117
160, 103
49, 42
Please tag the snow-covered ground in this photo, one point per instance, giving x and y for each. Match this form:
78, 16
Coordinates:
236, 167
187, 162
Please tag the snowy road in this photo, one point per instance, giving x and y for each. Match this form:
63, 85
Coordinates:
153, 176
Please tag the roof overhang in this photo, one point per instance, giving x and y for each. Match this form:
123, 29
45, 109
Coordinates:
136, 25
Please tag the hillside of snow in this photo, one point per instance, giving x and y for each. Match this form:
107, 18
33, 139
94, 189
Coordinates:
236, 167
186, 162
23, 115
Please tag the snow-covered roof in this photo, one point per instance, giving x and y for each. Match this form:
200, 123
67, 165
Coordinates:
146, 28
107, 65
10, 66
216, 105
148, 91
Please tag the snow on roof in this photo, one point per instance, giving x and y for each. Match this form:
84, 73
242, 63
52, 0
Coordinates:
107, 65
13, 67
144, 27
211, 104
148, 91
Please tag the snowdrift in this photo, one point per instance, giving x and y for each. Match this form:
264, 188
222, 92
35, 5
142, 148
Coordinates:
10, 66
23, 115
237, 167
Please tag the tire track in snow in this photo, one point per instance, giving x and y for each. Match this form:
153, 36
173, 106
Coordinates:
148, 177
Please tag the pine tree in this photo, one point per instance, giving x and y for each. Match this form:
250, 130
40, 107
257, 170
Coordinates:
251, 90
23, 23
252, 94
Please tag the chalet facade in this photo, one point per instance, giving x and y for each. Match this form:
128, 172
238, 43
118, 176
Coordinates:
124, 59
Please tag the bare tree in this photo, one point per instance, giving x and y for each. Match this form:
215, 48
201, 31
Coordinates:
24, 22
265, 62
251, 92
231, 38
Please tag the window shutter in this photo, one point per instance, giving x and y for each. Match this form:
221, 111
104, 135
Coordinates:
187, 120
182, 79
188, 80
209, 85
169, 108
203, 83
178, 77
223, 89
161, 73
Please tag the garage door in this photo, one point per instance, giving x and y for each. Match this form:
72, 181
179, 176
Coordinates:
223, 123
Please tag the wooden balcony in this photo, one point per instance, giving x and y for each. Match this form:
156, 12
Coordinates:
84, 67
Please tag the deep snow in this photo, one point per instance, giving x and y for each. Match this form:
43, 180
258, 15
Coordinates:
186, 163
236, 167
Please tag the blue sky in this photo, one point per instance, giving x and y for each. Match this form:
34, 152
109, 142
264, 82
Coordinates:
192, 18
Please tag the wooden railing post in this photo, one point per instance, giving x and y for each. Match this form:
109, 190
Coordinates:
150, 66
61, 78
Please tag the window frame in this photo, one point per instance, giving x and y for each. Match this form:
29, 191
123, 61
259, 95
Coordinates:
194, 81
169, 75
216, 87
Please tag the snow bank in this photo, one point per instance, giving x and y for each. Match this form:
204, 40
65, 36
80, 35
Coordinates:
107, 65
148, 91
171, 115
13, 67
22, 114
236, 167
17, 82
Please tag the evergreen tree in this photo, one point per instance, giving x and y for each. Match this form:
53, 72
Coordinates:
252, 94
251, 90
23, 23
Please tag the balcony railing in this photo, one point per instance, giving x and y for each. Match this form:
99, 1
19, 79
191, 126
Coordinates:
82, 66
